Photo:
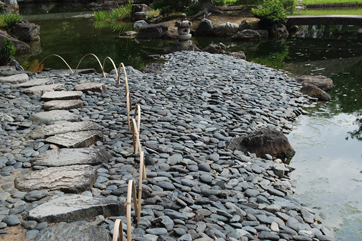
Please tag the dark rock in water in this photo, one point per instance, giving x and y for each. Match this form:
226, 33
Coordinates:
140, 16
152, 68
314, 91
321, 81
182, 46
205, 28
239, 55
26, 31
226, 29
263, 141
153, 31
244, 25
82, 231
20, 46
138, 24
246, 35
279, 31
215, 48
140, 8
264, 34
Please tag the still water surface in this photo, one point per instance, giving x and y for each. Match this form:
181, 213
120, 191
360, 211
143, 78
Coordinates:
328, 142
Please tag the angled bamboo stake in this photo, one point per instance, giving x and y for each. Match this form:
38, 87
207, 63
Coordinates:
118, 230
55, 56
95, 56
114, 66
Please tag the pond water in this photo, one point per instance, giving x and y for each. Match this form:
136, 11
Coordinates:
328, 143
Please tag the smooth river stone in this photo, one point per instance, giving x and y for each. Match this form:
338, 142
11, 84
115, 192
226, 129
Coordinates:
69, 179
41, 89
76, 139
62, 95
73, 207
53, 115
62, 104
63, 127
33, 82
95, 87
65, 157
18, 78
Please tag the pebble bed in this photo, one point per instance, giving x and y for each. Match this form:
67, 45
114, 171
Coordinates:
196, 189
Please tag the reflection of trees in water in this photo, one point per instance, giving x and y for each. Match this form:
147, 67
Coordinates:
328, 31
357, 134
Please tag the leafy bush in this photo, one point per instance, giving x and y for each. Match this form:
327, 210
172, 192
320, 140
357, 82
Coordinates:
224, 2
270, 12
7, 51
289, 5
120, 13
193, 9
12, 18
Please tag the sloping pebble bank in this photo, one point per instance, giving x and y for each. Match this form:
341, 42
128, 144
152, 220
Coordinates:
195, 188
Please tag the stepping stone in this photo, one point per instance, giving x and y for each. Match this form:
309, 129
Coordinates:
74, 231
62, 95
72, 207
33, 82
65, 157
53, 115
76, 139
95, 87
63, 127
62, 104
41, 89
69, 179
18, 78
7, 68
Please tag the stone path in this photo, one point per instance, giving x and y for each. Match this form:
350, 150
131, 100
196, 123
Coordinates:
73, 165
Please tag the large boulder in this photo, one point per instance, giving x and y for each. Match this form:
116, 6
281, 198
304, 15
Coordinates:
321, 81
244, 25
264, 34
153, 31
263, 141
246, 35
205, 28
139, 24
20, 46
188, 45
239, 55
226, 29
140, 8
279, 31
314, 91
215, 48
26, 31
140, 16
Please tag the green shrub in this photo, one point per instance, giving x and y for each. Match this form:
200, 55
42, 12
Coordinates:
224, 2
270, 12
12, 18
289, 5
193, 9
7, 51
120, 13
166, 6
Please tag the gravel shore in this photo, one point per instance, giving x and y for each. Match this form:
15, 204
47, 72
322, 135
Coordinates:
196, 189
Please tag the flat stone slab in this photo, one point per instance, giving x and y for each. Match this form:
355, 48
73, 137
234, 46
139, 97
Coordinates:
95, 87
53, 115
33, 82
18, 78
76, 139
63, 127
74, 231
62, 95
72, 207
69, 179
41, 89
65, 157
62, 104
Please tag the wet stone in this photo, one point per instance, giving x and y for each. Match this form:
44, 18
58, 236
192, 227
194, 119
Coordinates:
62, 104
62, 95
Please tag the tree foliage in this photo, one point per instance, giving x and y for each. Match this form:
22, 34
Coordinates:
270, 12
167, 7
7, 51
